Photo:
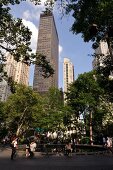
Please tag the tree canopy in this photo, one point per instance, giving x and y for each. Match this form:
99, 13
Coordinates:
26, 109
52, 113
15, 39
94, 20
86, 95
20, 108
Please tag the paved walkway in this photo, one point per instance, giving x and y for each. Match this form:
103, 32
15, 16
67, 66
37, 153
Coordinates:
55, 162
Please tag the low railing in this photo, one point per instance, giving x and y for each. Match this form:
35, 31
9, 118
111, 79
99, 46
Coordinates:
61, 148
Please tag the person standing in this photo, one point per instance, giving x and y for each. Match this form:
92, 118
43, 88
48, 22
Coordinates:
68, 149
32, 148
27, 148
14, 146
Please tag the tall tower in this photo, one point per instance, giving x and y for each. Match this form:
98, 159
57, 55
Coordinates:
47, 45
68, 70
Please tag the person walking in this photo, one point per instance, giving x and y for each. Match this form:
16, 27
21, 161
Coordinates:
27, 148
14, 146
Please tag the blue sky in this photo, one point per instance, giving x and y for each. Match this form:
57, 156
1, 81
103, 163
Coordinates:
70, 45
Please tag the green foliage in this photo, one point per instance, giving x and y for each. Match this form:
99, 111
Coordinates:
3, 130
94, 20
52, 114
107, 85
20, 107
86, 95
86, 13
108, 129
85, 140
15, 39
2, 116
26, 109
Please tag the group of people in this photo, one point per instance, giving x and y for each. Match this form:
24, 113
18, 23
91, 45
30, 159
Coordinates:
29, 150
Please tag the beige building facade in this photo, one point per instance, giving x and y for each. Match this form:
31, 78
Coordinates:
18, 71
101, 52
47, 45
68, 73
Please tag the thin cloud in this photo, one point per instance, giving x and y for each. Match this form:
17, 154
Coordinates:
34, 31
34, 11
60, 51
27, 15
30, 15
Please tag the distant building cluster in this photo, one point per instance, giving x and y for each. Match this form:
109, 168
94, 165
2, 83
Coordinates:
47, 45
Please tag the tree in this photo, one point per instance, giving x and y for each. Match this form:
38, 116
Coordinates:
15, 39
84, 97
3, 130
52, 114
1, 112
20, 108
106, 84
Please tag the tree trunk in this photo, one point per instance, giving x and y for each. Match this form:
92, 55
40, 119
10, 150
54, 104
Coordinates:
19, 128
110, 51
91, 132
22, 118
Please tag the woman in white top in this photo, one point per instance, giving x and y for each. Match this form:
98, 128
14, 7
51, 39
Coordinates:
14, 145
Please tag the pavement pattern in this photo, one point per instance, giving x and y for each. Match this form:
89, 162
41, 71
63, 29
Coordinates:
55, 162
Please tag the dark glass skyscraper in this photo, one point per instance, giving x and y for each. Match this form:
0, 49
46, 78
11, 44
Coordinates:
47, 45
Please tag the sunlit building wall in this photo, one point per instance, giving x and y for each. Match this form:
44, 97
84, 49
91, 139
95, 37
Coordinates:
101, 52
68, 73
18, 71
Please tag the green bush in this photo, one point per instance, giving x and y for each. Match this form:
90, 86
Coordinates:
85, 140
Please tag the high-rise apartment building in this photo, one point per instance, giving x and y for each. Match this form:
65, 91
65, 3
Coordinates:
18, 71
47, 45
101, 52
4, 90
68, 73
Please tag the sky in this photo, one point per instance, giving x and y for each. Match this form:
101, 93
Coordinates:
71, 45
